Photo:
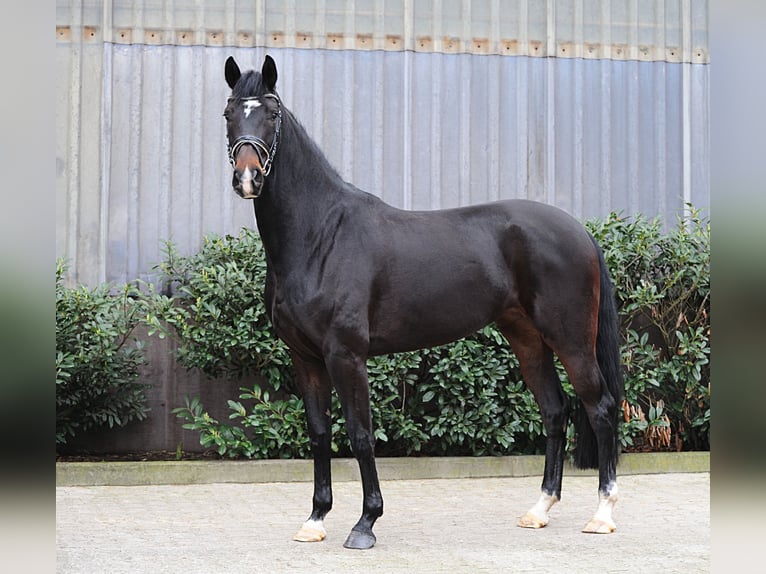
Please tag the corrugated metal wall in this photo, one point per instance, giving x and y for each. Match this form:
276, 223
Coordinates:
593, 106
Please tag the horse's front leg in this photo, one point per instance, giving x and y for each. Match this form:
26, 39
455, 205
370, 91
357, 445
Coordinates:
349, 375
316, 389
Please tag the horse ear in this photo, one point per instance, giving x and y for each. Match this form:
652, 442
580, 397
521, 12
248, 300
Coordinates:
269, 74
232, 72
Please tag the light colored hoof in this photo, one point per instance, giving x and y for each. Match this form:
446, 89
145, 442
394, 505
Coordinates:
308, 534
529, 520
596, 526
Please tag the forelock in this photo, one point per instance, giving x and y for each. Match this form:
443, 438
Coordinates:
248, 86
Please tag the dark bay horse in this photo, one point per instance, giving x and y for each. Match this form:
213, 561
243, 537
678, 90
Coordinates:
350, 277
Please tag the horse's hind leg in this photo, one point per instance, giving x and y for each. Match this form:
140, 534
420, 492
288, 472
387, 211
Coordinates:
538, 370
316, 391
601, 410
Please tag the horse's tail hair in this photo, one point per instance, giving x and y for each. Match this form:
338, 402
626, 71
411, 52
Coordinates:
612, 384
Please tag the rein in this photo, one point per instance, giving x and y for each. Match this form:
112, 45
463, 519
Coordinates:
260, 146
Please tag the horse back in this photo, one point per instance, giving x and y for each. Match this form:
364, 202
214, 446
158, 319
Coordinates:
441, 275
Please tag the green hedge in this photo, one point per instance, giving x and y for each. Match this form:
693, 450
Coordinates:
466, 398
97, 357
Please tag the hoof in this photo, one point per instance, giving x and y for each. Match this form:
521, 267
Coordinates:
358, 540
310, 533
529, 520
596, 526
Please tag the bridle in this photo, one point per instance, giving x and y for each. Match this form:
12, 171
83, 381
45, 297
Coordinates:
258, 144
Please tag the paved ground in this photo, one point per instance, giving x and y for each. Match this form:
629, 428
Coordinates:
432, 526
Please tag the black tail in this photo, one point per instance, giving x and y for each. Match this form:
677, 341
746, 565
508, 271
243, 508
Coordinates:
608, 357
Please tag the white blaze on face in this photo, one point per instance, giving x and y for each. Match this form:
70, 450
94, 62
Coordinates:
247, 181
250, 105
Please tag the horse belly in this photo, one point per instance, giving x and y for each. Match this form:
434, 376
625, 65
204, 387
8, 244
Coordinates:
433, 312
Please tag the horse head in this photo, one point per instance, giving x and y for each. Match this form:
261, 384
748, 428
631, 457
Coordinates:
253, 121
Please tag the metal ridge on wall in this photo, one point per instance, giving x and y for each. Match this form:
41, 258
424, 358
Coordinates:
660, 30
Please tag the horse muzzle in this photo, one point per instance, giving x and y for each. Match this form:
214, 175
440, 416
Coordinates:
248, 184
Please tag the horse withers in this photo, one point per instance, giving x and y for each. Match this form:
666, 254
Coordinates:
349, 277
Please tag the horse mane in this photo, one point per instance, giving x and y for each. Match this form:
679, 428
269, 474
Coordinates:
250, 85
311, 147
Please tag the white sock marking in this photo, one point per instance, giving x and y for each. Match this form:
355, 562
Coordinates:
314, 525
606, 504
543, 505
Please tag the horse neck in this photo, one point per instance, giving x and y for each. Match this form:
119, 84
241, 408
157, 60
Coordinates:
297, 197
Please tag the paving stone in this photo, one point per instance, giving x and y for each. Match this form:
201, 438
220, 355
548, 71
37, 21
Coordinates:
434, 526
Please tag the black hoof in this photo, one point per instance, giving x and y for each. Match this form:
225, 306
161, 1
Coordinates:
359, 540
